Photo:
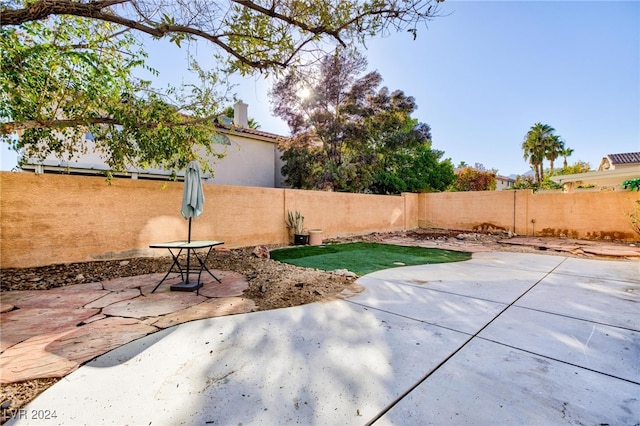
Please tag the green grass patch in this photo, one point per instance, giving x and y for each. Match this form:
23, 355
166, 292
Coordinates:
364, 258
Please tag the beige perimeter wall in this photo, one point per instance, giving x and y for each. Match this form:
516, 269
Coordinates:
49, 219
589, 215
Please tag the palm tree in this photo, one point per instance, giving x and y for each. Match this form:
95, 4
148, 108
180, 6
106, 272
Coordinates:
566, 152
554, 148
535, 144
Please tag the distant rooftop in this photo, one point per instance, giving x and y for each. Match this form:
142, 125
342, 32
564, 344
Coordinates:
227, 124
614, 161
627, 158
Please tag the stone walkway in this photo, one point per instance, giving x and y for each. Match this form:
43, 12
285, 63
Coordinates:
55, 331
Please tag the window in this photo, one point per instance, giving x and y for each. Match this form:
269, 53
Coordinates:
221, 139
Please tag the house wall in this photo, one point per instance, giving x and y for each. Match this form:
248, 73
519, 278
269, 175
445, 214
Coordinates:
502, 184
48, 219
247, 163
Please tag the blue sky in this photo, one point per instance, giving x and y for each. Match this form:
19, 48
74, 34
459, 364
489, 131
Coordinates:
485, 72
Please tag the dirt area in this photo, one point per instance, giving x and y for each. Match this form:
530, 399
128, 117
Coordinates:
272, 284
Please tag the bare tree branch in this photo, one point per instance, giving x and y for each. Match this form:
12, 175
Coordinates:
210, 22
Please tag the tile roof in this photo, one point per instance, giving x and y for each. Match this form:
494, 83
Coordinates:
259, 133
226, 123
627, 158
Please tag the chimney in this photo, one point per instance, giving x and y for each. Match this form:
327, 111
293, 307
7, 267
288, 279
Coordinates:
240, 116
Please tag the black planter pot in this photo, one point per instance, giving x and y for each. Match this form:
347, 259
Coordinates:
300, 240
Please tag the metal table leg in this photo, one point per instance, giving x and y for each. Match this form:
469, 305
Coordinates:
175, 263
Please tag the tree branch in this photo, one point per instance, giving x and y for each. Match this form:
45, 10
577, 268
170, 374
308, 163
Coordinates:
407, 13
20, 126
271, 12
94, 10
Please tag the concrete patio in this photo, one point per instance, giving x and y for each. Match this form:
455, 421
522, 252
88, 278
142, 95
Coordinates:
504, 338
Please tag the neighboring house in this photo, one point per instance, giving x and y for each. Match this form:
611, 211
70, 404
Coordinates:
504, 182
620, 161
252, 157
614, 169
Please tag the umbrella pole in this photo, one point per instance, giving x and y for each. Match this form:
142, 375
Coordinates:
188, 252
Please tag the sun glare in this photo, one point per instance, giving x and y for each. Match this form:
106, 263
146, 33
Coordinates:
304, 93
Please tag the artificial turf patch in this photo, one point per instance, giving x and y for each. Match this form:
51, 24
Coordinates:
364, 258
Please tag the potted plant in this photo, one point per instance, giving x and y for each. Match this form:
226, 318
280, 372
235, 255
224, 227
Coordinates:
295, 223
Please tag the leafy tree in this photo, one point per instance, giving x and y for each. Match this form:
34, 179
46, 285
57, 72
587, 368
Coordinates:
632, 184
471, 179
577, 167
63, 79
250, 35
525, 182
415, 169
348, 134
67, 67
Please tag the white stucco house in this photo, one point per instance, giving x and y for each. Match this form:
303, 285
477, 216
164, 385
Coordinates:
504, 182
613, 170
252, 157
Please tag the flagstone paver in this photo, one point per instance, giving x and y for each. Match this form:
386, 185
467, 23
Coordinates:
55, 298
6, 307
148, 286
113, 297
232, 285
31, 360
97, 317
210, 309
78, 288
21, 324
58, 354
153, 305
118, 284
99, 337
50, 333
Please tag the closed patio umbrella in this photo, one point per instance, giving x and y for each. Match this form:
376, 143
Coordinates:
192, 206
193, 195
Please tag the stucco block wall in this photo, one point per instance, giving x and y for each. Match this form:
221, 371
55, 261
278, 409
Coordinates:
589, 215
342, 214
48, 219
467, 210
